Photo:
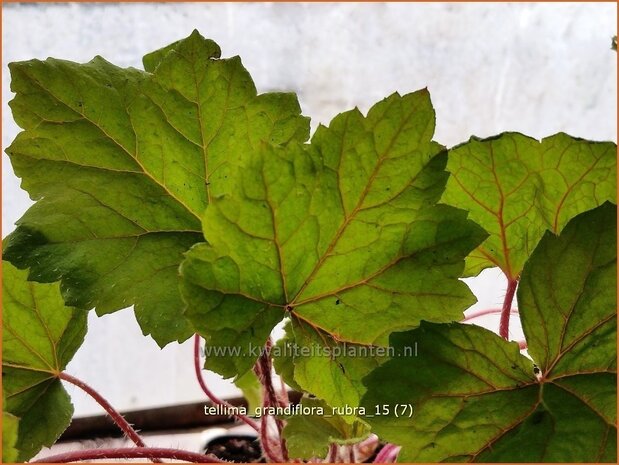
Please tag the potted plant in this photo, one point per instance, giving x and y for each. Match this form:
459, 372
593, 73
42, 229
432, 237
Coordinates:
183, 192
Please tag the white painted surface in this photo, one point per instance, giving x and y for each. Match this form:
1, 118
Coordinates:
534, 68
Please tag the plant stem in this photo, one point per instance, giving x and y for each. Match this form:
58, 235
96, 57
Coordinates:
388, 454
488, 311
351, 454
264, 371
366, 448
266, 441
153, 453
116, 417
332, 455
213, 398
507, 307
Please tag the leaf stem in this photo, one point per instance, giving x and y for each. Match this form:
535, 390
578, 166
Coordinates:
366, 448
351, 454
213, 398
267, 442
153, 453
488, 311
116, 417
264, 371
388, 454
507, 308
332, 455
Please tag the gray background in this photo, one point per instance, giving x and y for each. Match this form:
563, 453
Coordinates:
534, 68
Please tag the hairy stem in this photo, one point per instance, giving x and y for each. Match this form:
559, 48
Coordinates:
507, 307
264, 371
269, 445
388, 454
488, 311
493, 311
266, 368
153, 453
116, 417
213, 398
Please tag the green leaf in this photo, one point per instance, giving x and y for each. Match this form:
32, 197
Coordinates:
310, 435
234, 331
570, 308
283, 361
122, 163
250, 385
40, 336
517, 187
476, 398
331, 371
337, 233
10, 425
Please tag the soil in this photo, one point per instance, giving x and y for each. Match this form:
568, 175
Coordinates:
236, 448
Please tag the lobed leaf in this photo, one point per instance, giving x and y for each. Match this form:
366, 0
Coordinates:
476, 398
331, 371
337, 233
250, 386
571, 306
309, 436
40, 336
122, 163
516, 188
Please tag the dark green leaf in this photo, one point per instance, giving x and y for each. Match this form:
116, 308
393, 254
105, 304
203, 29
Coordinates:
40, 336
476, 398
567, 297
122, 164
10, 425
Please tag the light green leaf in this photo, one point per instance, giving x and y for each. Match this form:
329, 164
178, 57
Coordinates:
309, 436
252, 390
338, 233
10, 425
517, 187
331, 371
476, 398
40, 336
122, 164
283, 361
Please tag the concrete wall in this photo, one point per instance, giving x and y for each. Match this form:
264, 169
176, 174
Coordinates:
534, 68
